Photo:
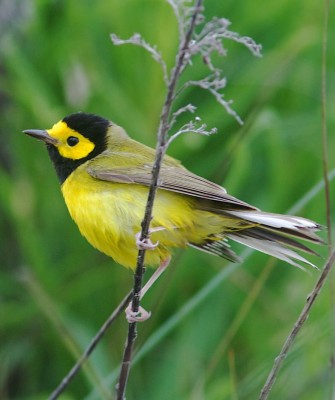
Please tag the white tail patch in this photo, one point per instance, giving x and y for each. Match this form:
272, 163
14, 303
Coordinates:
276, 220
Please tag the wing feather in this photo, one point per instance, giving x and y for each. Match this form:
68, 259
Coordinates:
174, 178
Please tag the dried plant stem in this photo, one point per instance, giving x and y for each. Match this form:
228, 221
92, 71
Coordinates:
324, 120
66, 380
160, 151
296, 328
325, 172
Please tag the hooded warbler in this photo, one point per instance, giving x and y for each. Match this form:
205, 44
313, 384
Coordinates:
105, 175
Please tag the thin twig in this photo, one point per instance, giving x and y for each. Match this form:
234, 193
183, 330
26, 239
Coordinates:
324, 121
137, 40
296, 328
188, 108
74, 370
160, 151
325, 165
194, 127
180, 19
213, 84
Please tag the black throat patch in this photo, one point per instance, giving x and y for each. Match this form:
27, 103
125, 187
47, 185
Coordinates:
89, 125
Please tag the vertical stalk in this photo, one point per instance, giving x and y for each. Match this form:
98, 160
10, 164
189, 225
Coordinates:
160, 151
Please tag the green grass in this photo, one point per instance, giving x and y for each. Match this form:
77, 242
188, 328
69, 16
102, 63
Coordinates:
56, 290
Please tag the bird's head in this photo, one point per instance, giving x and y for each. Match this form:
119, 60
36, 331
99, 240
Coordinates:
74, 140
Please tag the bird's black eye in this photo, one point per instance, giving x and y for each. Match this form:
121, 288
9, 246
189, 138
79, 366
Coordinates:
72, 141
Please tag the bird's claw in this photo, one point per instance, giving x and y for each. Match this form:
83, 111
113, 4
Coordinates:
137, 316
145, 244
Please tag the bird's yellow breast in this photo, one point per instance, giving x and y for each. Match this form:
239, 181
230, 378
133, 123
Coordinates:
110, 214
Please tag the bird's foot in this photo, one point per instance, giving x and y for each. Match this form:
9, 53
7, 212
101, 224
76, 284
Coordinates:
145, 244
136, 316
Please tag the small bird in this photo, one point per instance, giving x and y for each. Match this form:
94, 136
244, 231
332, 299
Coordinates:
105, 175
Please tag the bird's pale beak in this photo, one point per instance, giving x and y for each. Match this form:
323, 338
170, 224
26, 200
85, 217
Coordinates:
41, 135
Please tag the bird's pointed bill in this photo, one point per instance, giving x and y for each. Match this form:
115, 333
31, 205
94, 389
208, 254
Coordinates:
41, 135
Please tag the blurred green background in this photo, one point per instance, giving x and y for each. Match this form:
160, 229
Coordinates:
56, 290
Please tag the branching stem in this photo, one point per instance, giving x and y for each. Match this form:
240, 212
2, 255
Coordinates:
160, 151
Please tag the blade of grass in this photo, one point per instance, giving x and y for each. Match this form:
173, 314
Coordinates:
240, 317
49, 308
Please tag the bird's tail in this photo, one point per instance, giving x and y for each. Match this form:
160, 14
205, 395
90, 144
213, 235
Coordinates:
273, 234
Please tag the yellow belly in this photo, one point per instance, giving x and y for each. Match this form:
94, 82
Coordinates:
110, 214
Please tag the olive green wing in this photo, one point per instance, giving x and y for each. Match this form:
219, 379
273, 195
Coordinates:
272, 234
135, 169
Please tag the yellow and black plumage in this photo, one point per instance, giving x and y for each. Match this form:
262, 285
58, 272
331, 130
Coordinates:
105, 176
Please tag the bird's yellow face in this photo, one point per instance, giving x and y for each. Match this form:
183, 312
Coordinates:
74, 140
70, 143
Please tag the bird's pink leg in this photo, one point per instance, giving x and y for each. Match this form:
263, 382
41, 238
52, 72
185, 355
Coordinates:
142, 314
